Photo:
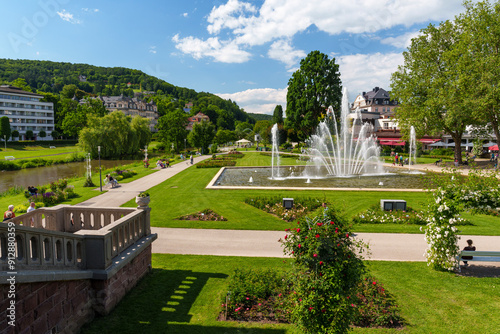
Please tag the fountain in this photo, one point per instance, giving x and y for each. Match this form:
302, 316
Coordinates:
250, 180
412, 153
339, 156
275, 153
345, 153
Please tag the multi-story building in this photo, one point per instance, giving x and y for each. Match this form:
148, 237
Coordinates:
26, 112
133, 107
377, 108
198, 118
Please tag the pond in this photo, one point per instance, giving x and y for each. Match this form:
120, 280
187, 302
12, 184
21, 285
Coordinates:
392, 178
44, 175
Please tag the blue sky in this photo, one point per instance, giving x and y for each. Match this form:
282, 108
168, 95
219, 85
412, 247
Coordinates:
243, 50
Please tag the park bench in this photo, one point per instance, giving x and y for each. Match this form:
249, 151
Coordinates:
483, 256
10, 157
52, 147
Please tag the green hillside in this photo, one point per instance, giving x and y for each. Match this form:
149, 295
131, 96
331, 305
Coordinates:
53, 77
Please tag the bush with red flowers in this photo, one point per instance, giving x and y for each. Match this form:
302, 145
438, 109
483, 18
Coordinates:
329, 268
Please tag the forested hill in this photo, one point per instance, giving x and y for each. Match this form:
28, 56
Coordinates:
52, 77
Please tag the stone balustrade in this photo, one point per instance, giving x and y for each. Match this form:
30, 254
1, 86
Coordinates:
73, 237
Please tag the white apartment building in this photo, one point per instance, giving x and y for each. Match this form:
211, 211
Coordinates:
26, 112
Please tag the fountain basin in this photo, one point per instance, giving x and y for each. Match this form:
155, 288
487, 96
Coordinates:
392, 179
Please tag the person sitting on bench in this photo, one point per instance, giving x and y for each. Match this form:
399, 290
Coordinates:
439, 161
469, 247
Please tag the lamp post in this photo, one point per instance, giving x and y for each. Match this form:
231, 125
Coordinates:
100, 176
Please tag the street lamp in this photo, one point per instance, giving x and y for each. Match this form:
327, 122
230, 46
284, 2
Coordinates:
100, 176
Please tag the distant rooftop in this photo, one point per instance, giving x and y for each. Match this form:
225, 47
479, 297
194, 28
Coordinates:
16, 90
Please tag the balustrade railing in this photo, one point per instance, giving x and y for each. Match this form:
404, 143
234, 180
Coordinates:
71, 237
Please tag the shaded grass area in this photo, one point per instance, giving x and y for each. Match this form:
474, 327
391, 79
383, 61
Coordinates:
183, 293
185, 193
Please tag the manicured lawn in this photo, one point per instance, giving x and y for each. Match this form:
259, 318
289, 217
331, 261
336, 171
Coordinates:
183, 295
185, 193
60, 152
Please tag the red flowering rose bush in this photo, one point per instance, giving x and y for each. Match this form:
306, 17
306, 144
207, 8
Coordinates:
256, 295
375, 306
329, 269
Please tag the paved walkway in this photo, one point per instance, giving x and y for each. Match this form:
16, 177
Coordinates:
383, 246
120, 195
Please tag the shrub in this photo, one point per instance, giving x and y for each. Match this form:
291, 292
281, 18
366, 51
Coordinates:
274, 205
374, 306
255, 295
329, 272
21, 208
215, 163
9, 165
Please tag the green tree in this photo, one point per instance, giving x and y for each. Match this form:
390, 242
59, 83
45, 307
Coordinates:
172, 128
42, 134
432, 86
480, 24
263, 129
54, 134
15, 134
5, 130
225, 136
225, 120
21, 83
313, 88
278, 115
117, 134
29, 135
76, 115
202, 135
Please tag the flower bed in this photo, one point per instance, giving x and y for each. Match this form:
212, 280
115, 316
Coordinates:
215, 163
59, 192
266, 296
375, 215
204, 215
274, 205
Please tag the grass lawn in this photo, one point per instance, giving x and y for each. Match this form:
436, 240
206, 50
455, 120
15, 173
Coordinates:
183, 295
60, 152
185, 194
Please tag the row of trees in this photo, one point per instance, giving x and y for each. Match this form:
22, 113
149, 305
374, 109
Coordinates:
450, 79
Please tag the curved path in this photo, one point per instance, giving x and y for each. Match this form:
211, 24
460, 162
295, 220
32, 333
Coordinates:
383, 246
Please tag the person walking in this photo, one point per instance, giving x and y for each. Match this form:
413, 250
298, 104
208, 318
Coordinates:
191, 158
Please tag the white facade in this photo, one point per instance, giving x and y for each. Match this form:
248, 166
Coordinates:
26, 112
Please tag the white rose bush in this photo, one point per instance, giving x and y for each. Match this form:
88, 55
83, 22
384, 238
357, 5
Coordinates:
478, 193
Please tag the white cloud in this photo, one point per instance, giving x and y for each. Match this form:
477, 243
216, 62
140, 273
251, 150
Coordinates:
258, 101
94, 10
224, 16
283, 51
66, 16
152, 49
221, 51
361, 73
244, 24
185, 14
402, 41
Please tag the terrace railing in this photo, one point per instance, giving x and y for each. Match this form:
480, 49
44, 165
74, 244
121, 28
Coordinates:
71, 237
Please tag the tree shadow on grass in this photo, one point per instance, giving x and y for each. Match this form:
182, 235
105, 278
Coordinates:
474, 270
161, 302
